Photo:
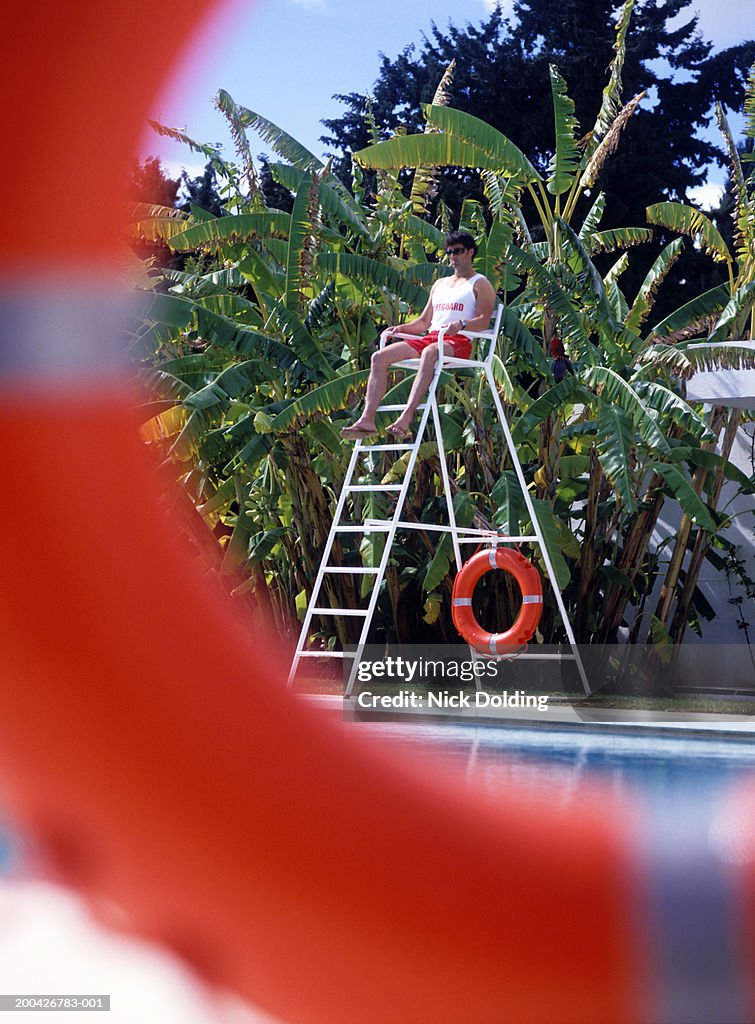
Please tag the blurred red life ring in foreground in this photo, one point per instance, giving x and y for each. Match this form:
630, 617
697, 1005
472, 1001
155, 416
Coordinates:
523, 628
158, 759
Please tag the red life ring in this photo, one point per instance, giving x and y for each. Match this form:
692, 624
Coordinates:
525, 624
222, 824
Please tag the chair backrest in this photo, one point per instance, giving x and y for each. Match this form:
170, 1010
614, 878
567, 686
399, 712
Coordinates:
494, 329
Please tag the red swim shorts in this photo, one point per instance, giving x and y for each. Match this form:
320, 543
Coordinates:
462, 345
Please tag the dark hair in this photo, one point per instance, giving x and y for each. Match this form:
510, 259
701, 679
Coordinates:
462, 238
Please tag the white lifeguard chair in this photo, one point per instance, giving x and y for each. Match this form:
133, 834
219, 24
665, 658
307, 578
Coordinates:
389, 526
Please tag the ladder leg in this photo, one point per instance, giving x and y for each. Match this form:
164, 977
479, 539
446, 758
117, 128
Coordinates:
537, 530
400, 501
446, 482
312, 603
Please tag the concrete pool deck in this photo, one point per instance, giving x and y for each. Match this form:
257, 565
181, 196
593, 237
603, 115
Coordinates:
559, 715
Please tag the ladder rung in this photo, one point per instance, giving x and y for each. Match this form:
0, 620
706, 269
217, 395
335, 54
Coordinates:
363, 528
398, 408
450, 361
361, 570
374, 487
493, 539
338, 611
531, 657
327, 654
386, 448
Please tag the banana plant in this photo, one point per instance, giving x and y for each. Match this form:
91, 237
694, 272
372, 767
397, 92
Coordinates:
725, 318
614, 439
248, 353
252, 354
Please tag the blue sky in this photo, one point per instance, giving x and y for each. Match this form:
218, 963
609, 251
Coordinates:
286, 58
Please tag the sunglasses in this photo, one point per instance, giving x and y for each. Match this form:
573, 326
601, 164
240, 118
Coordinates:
455, 251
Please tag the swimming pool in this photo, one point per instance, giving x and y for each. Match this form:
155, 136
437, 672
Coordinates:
657, 768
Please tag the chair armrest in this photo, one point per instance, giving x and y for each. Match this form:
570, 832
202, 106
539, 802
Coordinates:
477, 334
384, 339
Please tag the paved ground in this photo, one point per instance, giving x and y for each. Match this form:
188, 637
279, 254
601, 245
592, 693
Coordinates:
557, 716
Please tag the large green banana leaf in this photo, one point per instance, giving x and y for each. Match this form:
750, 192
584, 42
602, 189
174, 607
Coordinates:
615, 446
712, 461
321, 401
614, 389
568, 391
688, 221
673, 409
566, 155
684, 359
550, 291
216, 282
522, 342
643, 303
306, 346
593, 218
684, 493
443, 558
607, 326
279, 141
701, 308
437, 150
331, 200
736, 310
616, 238
508, 500
508, 159
372, 272
554, 533
300, 244
237, 228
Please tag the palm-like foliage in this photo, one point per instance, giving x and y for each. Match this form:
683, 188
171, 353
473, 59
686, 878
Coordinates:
246, 359
251, 360
604, 445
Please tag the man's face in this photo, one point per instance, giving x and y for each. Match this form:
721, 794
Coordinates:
458, 256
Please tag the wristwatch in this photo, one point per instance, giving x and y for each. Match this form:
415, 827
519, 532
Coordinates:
463, 324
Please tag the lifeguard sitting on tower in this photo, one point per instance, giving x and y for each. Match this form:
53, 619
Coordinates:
463, 301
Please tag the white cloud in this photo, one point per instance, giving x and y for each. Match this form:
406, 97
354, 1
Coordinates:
707, 196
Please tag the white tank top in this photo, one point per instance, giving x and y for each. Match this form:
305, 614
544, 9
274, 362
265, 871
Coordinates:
457, 303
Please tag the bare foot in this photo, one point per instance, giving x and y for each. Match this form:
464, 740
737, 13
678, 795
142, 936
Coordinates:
358, 431
398, 429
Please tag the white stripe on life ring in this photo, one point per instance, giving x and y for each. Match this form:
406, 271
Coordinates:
69, 332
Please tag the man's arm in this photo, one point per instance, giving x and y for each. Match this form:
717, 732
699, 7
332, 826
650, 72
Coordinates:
485, 299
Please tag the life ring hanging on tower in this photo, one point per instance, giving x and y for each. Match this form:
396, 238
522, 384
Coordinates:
526, 622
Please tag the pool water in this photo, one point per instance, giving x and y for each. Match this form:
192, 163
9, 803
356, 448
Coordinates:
691, 834
657, 768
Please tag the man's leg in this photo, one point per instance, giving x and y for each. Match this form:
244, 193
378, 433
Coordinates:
427, 363
377, 384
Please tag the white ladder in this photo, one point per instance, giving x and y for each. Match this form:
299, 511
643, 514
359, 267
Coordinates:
459, 535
